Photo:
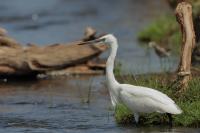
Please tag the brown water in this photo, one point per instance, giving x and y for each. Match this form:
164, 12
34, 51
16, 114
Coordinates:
75, 104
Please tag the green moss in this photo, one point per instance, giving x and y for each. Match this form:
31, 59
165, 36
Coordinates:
189, 102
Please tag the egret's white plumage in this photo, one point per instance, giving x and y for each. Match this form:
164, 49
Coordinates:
137, 98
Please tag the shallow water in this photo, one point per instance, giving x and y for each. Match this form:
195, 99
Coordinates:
75, 104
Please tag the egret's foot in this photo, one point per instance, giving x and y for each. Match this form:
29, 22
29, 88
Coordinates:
170, 119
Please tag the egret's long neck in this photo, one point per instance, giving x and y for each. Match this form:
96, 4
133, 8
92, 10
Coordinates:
110, 65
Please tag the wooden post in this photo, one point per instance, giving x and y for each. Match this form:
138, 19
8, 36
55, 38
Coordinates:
184, 18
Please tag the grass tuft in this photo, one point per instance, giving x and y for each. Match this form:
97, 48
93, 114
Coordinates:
123, 115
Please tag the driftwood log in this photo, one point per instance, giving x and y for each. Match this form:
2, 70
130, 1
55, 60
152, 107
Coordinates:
70, 58
184, 18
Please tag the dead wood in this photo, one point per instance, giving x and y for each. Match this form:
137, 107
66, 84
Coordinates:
89, 34
184, 18
16, 59
3, 32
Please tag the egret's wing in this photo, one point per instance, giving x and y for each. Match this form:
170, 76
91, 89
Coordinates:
144, 92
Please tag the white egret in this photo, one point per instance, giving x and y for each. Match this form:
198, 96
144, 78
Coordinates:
138, 99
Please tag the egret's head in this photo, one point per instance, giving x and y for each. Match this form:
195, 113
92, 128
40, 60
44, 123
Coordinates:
106, 39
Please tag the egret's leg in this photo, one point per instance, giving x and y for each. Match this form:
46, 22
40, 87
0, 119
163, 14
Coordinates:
136, 116
170, 118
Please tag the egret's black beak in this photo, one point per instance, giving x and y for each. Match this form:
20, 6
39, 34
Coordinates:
100, 40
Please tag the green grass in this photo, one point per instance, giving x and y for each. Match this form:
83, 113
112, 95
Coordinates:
159, 29
123, 115
189, 102
164, 31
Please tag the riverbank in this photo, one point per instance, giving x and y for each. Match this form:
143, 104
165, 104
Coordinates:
189, 101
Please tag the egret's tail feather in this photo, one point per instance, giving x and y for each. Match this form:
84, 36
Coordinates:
179, 111
175, 109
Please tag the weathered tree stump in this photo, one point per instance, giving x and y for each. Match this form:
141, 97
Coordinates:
184, 18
